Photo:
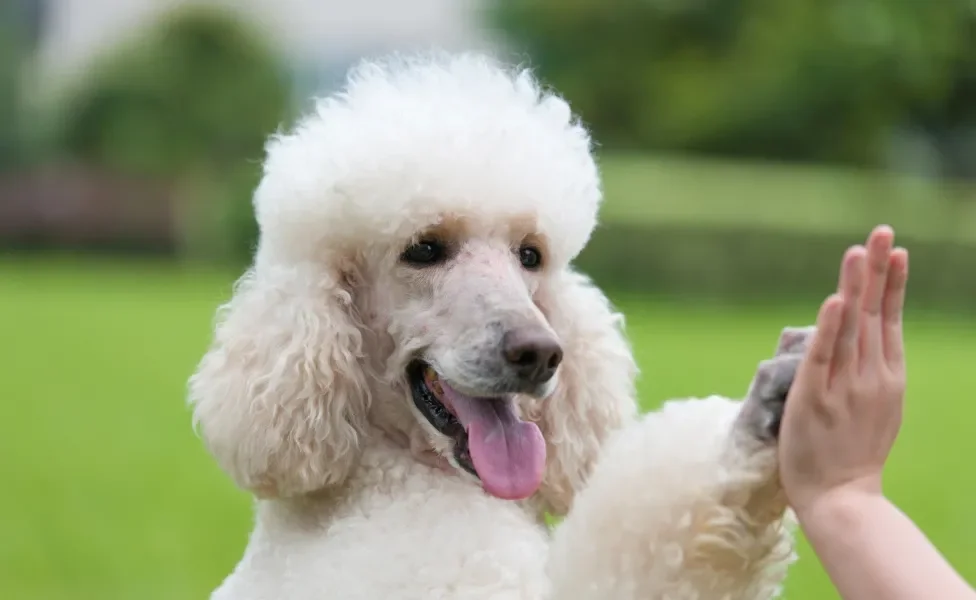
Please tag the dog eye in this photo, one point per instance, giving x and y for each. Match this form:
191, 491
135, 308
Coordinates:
530, 257
423, 253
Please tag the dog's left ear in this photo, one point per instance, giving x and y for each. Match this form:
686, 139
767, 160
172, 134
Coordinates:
595, 392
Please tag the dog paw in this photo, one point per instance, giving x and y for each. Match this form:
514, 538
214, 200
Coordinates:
767, 396
766, 399
794, 340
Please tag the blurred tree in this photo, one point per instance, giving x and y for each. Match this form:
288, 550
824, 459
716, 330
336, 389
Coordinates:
194, 99
9, 91
19, 30
951, 119
796, 79
201, 88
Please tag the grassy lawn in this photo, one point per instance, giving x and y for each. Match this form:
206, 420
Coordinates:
108, 494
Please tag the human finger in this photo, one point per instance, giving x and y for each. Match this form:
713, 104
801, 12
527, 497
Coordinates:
893, 305
815, 368
851, 289
876, 275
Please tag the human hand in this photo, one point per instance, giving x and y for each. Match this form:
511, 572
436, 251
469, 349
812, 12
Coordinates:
844, 408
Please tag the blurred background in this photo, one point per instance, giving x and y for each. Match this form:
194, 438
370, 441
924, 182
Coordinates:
744, 144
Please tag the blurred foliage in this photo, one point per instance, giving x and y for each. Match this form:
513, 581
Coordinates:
201, 88
740, 265
750, 231
16, 41
9, 103
796, 79
194, 100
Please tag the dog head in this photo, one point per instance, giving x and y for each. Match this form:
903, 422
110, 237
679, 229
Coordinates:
413, 275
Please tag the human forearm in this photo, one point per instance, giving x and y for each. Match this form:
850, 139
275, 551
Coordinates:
873, 551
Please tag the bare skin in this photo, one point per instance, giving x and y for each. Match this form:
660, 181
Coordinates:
842, 415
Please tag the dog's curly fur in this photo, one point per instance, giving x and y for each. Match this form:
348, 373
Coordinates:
303, 398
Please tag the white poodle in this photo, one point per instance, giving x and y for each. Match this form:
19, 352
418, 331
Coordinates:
412, 374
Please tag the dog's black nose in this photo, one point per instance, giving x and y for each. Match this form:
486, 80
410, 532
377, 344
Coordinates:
533, 353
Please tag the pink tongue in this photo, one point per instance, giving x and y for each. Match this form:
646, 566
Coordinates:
508, 454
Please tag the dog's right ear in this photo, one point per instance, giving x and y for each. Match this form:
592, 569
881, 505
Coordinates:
595, 393
280, 397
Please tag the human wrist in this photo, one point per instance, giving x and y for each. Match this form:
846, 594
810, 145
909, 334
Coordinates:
839, 510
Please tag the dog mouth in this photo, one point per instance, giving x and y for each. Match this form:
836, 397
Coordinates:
427, 392
489, 440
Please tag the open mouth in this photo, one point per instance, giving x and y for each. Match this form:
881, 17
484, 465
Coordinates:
428, 395
490, 441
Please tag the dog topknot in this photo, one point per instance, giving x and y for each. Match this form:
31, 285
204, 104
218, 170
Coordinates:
407, 139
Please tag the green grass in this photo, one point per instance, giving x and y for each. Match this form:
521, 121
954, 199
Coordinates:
108, 494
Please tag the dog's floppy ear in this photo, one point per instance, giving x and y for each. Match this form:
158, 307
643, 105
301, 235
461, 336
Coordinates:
595, 388
280, 397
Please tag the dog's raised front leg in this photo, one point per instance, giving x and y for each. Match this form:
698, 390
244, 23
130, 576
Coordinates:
686, 503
